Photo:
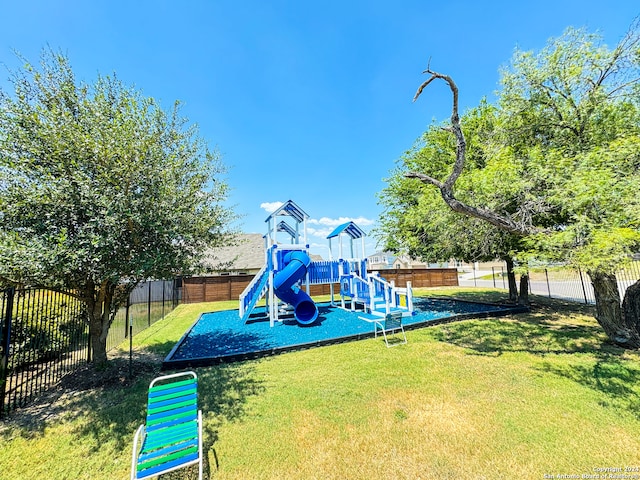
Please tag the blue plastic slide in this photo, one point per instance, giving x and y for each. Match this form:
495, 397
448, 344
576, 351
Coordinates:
284, 286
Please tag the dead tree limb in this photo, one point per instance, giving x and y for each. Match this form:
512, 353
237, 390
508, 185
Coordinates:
447, 187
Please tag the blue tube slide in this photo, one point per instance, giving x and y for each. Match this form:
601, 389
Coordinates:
284, 286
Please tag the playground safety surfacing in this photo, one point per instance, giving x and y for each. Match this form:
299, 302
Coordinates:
219, 337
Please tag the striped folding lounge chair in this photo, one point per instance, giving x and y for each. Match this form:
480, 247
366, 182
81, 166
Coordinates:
171, 438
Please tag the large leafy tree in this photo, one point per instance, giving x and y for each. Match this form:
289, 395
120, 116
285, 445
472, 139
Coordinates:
573, 110
100, 188
560, 169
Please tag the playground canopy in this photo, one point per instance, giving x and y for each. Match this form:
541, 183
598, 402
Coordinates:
351, 230
287, 209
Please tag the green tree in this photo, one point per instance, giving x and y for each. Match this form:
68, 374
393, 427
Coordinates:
100, 188
573, 107
560, 168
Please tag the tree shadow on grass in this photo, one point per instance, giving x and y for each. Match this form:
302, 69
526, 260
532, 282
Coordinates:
569, 345
551, 326
83, 393
502, 297
223, 391
106, 406
493, 337
616, 379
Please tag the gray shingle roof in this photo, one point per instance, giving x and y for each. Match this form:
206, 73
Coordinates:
248, 254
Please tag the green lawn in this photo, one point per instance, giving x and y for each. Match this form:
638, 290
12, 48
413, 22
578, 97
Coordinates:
514, 397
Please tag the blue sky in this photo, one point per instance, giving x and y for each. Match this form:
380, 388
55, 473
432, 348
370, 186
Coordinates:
308, 101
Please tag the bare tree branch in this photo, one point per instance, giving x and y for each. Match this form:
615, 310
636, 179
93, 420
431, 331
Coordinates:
461, 144
425, 179
446, 187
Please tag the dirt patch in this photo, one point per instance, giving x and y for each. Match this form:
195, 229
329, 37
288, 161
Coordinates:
118, 372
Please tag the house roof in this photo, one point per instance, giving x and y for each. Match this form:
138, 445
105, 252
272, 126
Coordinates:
248, 254
316, 258
390, 257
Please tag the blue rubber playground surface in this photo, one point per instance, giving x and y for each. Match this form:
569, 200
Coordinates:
222, 337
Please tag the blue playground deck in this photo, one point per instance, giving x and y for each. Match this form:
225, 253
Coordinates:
222, 337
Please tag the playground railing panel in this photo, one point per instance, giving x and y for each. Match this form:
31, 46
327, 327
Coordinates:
360, 287
324, 272
252, 292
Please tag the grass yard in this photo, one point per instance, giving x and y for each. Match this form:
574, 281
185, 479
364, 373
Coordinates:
516, 397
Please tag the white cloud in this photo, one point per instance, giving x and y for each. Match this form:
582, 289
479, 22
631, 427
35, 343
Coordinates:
271, 207
324, 225
334, 222
319, 245
319, 232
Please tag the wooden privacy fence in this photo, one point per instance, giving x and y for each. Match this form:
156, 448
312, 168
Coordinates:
422, 277
229, 287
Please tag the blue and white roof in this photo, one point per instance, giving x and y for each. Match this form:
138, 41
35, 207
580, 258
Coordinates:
350, 228
285, 227
289, 208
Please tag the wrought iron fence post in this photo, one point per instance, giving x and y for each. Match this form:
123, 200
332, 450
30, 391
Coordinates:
130, 322
5, 342
493, 275
584, 290
126, 316
149, 304
546, 274
163, 282
89, 345
175, 293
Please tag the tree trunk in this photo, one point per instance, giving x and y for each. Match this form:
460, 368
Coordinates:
98, 340
98, 300
631, 307
511, 277
609, 313
523, 298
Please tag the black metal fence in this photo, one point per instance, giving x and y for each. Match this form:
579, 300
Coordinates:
148, 303
44, 335
555, 282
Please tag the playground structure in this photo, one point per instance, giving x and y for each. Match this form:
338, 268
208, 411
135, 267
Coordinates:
284, 280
